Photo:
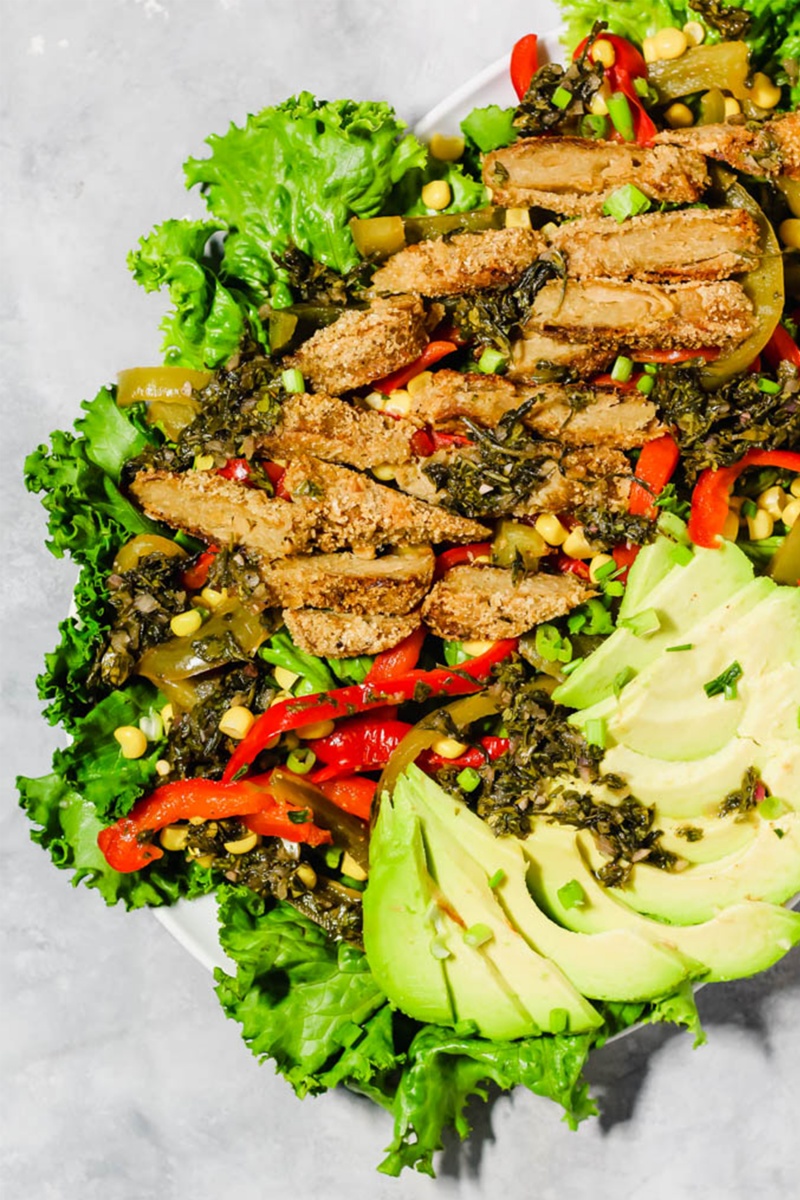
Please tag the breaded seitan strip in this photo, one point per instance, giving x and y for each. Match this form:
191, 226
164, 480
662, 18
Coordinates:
644, 315
393, 584
353, 510
692, 244
580, 415
345, 635
363, 345
770, 150
464, 263
332, 429
475, 603
575, 176
537, 350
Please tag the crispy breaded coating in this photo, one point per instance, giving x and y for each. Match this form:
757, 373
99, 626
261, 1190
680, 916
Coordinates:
575, 176
644, 315
393, 584
345, 635
353, 510
692, 244
332, 429
363, 345
770, 150
475, 603
535, 350
464, 263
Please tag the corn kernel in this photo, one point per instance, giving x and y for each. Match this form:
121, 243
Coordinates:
732, 107
316, 730
760, 526
186, 623
163, 767
603, 52
670, 43
350, 867
384, 472
695, 33
243, 844
447, 148
730, 530
204, 462
205, 860
167, 717
419, 383
789, 231
447, 747
285, 679
279, 697
773, 501
794, 486
211, 597
791, 513
649, 50
764, 92
474, 649
236, 722
679, 116
375, 400
398, 404
518, 218
308, 876
436, 194
291, 740
576, 545
598, 106
174, 837
132, 741
550, 528
598, 562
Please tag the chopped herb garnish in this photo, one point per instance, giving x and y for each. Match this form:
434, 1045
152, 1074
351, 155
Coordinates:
642, 624
498, 878
551, 645
300, 762
562, 97
559, 1020
491, 361
771, 807
478, 935
621, 678
468, 779
692, 833
746, 797
299, 816
676, 649
571, 895
595, 732
439, 949
769, 386
681, 555
292, 380
569, 667
725, 682
626, 201
622, 369
779, 833
645, 385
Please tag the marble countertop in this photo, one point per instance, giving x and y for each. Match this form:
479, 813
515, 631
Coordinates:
121, 1079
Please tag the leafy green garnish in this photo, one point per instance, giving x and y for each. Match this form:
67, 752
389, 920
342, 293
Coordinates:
725, 682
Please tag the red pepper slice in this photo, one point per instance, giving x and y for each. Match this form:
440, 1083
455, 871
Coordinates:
425, 442
711, 495
626, 56
459, 555
275, 475
781, 347
394, 663
624, 556
490, 748
609, 381
398, 379
707, 353
628, 66
422, 444
127, 847
236, 468
196, 576
654, 470
353, 794
524, 63
360, 744
305, 710
572, 566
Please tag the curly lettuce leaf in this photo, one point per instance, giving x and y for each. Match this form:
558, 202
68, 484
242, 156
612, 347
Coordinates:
316, 674
680, 1009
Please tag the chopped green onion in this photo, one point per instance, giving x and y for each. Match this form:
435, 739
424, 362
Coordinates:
569, 667
299, 816
561, 97
468, 779
498, 878
292, 380
593, 126
725, 682
491, 361
595, 732
608, 569
676, 649
749, 508
621, 678
769, 387
645, 385
650, 368
626, 201
333, 856
622, 369
779, 833
439, 949
771, 807
643, 623
641, 86
622, 119
672, 525
571, 895
559, 1020
152, 726
551, 645
301, 761
615, 588
681, 555
478, 935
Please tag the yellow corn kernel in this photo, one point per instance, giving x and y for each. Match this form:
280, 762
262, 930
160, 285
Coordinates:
736, 503
419, 382
603, 52
447, 148
576, 545
205, 860
290, 740
764, 92
350, 867
649, 50
447, 747
174, 837
316, 730
670, 43
550, 528
211, 597
732, 107
598, 106
549, 229
285, 679
598, 562
476, 648
236, 722
279, 697
398, 403
679, 116
243, 844
760, 526
384, 472
436, 194
517, 218
791, 512
167, 717
794, 486
132, 741
204, 462
375, 400
730, 529
163, 767
308, 876
789, 231
186, 623
695, 33
773, 501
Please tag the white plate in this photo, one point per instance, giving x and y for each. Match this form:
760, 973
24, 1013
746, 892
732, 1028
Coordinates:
193, 922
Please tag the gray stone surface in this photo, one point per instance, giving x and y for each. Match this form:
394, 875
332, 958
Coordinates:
120, 1079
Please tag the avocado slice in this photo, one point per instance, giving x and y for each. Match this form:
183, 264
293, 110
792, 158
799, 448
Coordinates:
651, 565
716, 837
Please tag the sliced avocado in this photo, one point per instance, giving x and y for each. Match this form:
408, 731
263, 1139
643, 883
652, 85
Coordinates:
398, 930
774, 711
682, 597
651, 565
684, 790
711, 838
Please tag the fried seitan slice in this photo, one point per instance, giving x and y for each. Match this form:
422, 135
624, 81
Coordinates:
770, 150
345, 635
644, 315
332, 429
353, 510
575, 176
537, 350
693, 244
363, 345
475, 603
464, 263
393, 584
580, 415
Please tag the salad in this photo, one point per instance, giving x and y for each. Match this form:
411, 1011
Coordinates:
429, 588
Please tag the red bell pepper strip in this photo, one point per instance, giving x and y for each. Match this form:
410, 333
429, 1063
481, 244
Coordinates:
394, 663
781, 347
628, 66
398, 379
426, 442
490, 748
626, 56
712, 492
353, 794
196, 576
609, 381
127, 847
237, 469
572, 566
275, 475
654, 470
360, 743
624, 556
524, 63
707, 353
359, 697
459, 555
